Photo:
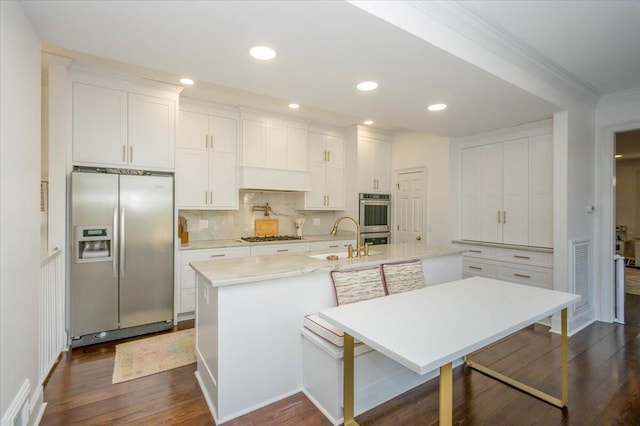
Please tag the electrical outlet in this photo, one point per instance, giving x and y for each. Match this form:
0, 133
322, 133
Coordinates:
316, 221
203, 224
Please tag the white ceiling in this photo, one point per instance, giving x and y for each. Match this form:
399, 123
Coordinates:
326, 47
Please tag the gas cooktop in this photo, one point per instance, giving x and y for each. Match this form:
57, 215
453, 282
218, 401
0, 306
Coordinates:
271, 238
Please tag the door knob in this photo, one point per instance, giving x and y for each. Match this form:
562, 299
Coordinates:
418, 238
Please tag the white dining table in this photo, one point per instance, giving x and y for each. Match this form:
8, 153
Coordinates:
429, 328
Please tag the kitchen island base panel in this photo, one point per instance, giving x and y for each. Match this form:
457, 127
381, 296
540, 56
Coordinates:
248, 334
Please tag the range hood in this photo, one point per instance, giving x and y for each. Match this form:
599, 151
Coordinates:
262, 178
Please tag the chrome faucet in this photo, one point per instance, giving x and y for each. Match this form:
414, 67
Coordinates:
335, 230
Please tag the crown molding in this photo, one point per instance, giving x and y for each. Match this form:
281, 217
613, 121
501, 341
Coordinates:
622, 97
477, 27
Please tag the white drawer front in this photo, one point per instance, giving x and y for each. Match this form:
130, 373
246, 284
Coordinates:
474, 268
331, 245
279, 248
526, 257
539, 277
207, 254
478, 251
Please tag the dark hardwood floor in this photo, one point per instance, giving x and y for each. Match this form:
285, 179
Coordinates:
632, 309
604, 388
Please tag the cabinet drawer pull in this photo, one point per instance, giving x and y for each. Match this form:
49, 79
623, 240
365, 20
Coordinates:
282, 250
336, 246
218, 255
521, 276
475, 267
521, 257
475, 251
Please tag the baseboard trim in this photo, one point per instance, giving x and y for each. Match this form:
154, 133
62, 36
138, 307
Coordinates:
15, 414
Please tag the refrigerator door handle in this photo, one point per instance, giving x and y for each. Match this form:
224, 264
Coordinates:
114, 243
122, 243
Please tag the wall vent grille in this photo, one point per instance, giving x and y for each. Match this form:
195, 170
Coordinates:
580, 251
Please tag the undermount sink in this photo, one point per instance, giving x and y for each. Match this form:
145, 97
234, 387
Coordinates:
340, 255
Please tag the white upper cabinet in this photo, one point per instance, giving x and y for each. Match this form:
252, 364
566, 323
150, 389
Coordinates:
506, 190
274, 144
99, 124
273, 153
326, 154
206, 168
151, 131
374, 165
117, 124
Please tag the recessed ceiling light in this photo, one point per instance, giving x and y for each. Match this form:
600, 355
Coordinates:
294, 106
263, 53
618, 155
367, 85
187, 81
368, 122
437, 107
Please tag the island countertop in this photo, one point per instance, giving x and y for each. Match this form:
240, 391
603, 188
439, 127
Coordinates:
223, 272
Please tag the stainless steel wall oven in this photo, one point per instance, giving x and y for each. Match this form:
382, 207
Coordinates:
375, 218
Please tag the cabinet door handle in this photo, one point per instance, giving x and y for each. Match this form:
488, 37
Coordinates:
521, 257
124, 154
131, 154
282, 250
329, 156
499, 216
504, 217
210, 197
206, 197
475, 267
218, 255
206, 141
328, 200
475, 251
521, 276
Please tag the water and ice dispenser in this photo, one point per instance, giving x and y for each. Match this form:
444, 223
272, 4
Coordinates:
94, 244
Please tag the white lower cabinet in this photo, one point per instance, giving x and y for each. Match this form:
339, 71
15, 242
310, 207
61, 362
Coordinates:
515, 265
185, 294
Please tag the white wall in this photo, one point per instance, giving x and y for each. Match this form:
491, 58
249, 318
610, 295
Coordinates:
412, 150
19, 201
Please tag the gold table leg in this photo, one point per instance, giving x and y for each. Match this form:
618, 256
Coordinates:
446, 395
348, 381
564, 355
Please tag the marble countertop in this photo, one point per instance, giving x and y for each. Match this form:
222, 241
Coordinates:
223, 272
237, 242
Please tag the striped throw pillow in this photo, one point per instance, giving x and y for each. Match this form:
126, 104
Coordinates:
401, 277
355, 286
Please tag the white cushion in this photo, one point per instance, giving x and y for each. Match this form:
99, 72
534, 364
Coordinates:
322, 328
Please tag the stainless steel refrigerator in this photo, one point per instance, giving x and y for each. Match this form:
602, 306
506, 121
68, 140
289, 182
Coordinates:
122, 255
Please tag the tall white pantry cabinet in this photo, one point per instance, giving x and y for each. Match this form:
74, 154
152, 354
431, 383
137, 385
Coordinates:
504, 184
507, 192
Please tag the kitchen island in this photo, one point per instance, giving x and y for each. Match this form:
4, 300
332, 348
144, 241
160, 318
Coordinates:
250, 310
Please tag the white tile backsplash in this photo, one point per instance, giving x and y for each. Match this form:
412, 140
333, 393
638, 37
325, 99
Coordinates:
228, 224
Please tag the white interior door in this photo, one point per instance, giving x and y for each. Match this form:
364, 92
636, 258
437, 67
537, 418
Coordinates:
411, 207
